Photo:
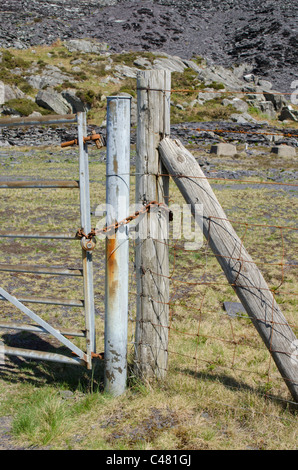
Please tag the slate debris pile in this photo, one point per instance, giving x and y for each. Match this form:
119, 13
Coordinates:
224, 31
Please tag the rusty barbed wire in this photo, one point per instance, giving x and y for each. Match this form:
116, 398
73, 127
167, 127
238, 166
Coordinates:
189, 90
198, 90
189, 308
241, 131
227, 92
198, 304
228, 179
114, 227
214, 178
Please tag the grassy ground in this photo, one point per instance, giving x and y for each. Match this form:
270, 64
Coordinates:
222, 390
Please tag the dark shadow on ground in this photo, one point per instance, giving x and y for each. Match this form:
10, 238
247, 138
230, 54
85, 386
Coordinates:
39, 373
238, 385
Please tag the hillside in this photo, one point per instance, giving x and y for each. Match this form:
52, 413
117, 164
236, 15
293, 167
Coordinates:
226, 32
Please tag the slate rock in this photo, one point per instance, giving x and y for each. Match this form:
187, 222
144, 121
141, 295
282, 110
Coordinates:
262, 34
51, 76
267, 107
243, 118
74, 102
54, 101
287, 115
279, 101
143, 62
265, 84
9, 92
171, 63
237, 103
234, 309
86, 46
240, 105
124, 71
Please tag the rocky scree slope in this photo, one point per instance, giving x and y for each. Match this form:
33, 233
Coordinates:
38, 86
263, 34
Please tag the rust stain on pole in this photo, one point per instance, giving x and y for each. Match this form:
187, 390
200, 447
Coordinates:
112, 266
117, 190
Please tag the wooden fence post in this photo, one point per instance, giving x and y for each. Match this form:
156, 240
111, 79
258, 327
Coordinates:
152, 268
239, 268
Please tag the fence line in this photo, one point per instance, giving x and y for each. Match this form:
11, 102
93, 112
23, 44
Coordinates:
227, 92
197, 90
215, 178
202, 310
240, 131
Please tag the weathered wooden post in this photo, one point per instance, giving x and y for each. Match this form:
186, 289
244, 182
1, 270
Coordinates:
239, 268
117, 198
151, 339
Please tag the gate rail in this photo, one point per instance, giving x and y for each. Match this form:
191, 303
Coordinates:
79, 356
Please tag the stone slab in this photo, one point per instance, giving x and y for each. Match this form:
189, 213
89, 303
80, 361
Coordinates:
234, 309
224, 149
284, 151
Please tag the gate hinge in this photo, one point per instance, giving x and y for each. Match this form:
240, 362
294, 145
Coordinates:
97, 356
98, 139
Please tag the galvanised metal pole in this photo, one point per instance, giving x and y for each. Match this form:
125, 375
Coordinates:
117, 244
86, 225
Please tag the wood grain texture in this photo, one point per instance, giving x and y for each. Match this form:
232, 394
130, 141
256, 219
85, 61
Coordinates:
152, 265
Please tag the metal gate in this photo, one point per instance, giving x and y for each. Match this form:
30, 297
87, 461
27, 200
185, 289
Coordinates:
86, 272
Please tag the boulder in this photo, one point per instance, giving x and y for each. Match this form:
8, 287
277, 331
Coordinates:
86, 46
9, 92
240, 70
207, 95
51, 76
192, 65
143, 62
287, 114
279, 101
267, 107
166, 62
124, 71
8, 111
264, 84
4, 143
224, 149
239, 119
54, 101
74, 102
250, 78
255, 97
220, 75
239, 105
35, 114
243, 118
172, 63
